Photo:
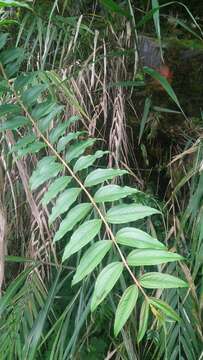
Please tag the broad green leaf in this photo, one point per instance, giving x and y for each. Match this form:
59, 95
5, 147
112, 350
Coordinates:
163, 81
63, 203
14, 123
156, 280
137, 238
91, 258
111, 193
45, 121
24, 80
151, 257
55, 188
11, 3
167, 310
9, 109
3, 39
32, 148
25, 141
81, 237
63, 141
144, 315
121, 214
46, 169
74, 216
43, 109
30, 96
10, 55
125, 307
100, 175
57, 132
73, 118
4, 88
85, 161
78, 149
105, 282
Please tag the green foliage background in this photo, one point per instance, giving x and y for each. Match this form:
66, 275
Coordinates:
84, 129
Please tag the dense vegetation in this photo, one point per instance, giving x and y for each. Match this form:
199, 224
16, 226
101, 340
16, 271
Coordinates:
101, 241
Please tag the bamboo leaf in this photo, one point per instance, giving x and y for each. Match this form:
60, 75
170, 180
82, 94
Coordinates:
81, 237
125, 307
46, 169
121, 214
3, 39
91, 258
78, 149
156, 280
30, 96
151, 257
100, 175
63, 141
105, 282
167, 310
9, 109
63, 203
144, 315
55, 188
58, 131
14, 123
85, 161
111, 193
137, 238
74, 216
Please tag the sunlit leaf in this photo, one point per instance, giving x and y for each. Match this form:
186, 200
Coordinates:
105, 282
82, 236
125, 307
91, 258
